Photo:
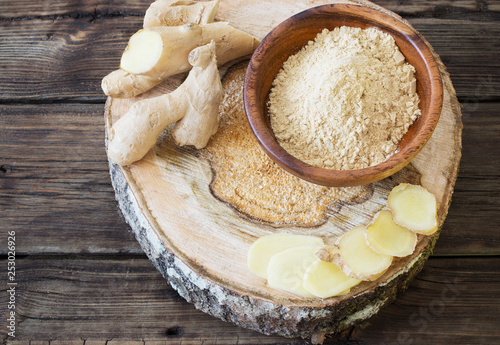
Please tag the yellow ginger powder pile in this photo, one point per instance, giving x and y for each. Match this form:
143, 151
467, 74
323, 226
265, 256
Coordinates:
345, 100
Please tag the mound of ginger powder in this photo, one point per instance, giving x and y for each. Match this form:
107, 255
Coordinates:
345, 100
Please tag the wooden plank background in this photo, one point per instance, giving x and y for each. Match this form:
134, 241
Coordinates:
83, 278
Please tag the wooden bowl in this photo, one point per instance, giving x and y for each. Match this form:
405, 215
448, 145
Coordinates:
289, 37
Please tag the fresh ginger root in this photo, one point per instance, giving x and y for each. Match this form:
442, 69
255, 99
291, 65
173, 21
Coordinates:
157, 53
204, 90
175, 12
196, 101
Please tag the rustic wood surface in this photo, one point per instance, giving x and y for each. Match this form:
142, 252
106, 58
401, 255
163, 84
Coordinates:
83, 278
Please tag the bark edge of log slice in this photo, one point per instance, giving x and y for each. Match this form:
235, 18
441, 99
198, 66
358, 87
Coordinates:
253, 313
266, 315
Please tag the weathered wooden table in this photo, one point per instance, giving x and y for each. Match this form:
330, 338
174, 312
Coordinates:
81, 277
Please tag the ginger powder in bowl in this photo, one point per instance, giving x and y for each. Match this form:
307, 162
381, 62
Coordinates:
345, 100
342, 94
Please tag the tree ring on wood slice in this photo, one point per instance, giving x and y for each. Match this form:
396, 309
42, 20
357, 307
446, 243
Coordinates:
198, 238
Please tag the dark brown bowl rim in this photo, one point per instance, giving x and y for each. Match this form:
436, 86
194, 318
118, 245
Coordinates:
340, 178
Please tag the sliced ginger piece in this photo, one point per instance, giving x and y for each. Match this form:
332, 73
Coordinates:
414, 208
286, 269
357, 259
325, 279
264, 248
386, 237
345, 292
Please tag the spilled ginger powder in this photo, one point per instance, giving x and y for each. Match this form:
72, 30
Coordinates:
345, 100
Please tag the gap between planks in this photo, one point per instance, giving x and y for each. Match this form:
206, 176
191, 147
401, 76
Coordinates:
61, 8
129, 300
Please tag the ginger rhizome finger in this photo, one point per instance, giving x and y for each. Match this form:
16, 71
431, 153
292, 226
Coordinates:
197, 99
175, 12
201, 119
168, 52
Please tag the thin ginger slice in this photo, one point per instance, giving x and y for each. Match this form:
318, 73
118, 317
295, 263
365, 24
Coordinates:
357, 259
386, 237
325, 279
286, 269
264, 248
414, 208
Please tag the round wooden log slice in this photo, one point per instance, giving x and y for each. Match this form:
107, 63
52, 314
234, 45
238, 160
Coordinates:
196, 213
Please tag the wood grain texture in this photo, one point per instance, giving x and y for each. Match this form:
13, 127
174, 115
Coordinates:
90, 9
102, 298
66, 58
63, 59
26, 10
47, 194
439, 8
55, 189
475, 200
80, 299
472, 84
446, 314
